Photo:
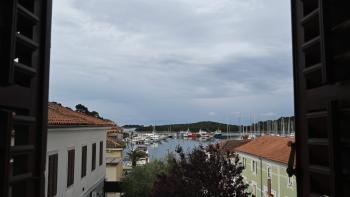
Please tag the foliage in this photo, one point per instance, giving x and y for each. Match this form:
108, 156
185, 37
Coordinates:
83, 109
205, 125
203, 172
135, 155
132, 126
140, 181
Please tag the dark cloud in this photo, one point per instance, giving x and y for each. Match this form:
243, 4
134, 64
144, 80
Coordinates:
145, 61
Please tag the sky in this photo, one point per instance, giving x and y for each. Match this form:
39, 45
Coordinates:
173, 61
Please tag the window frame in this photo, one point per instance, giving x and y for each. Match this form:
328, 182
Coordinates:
93, 157
289, 182
70, 167
52, 186
101, 153
269, 171
84, 150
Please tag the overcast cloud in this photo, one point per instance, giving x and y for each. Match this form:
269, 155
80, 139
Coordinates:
172, 61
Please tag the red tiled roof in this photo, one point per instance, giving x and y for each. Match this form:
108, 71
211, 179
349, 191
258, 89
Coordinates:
111, 143
59, 115
273, 148
230, 145
114, 129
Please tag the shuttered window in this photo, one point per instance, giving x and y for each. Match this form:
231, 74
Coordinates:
70, 170
93, 157
25, 27
101, 153
52, 175
83, 161
321, 47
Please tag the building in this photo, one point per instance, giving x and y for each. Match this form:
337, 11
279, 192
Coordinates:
114, 163
75, 153
229, 145
265, 160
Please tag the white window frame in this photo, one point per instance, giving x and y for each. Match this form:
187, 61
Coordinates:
254, 186
290, 182
254, 166
269, 171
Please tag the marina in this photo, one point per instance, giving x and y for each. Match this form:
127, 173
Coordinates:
158, 146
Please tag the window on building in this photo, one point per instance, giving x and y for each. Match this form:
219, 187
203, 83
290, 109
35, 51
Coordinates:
101, 153
290, 182
269, 172
52, 175
70, 170
254, 190
83, 161
93, 157
244, 162
254, 166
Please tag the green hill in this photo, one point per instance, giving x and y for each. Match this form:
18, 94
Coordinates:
194, 127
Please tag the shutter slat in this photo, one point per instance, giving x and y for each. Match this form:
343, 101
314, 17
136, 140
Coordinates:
21, 177
312, 69
311, 43
20, 119
28, 15
319, 169
27, 42
24, 149
310, 16
19, 67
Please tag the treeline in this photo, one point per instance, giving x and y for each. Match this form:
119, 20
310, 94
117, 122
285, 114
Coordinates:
194, 127
132, 126
280, 124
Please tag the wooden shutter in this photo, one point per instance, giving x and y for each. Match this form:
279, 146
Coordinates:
25, 27
70, 170
52, 175
321, 48
101, 153
83, 161
93, 157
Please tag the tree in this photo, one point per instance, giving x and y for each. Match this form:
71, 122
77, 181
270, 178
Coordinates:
135, 155
203, 172
95, 113
140, 181
81, 108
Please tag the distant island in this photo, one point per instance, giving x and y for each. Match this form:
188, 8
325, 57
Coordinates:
286, 123
195, 127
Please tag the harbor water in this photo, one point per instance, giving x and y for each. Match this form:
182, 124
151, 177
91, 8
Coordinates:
159, 150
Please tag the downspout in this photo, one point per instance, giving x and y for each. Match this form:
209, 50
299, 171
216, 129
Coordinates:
261, 178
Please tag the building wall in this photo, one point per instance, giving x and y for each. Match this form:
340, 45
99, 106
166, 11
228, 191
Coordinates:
114, 172
114, 152
60, 140
279, 177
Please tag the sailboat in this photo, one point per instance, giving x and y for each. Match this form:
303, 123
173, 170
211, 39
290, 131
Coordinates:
218, 134
154, 136
203, 133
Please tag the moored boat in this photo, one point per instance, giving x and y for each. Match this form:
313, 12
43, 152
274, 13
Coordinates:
218, 134
203, 133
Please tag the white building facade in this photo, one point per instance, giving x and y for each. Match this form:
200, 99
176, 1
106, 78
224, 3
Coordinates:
60, 142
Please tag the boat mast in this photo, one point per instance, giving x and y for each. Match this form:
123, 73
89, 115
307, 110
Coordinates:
283, 129
288, 131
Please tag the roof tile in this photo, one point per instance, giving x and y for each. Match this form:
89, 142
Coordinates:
273, 148
59, 115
